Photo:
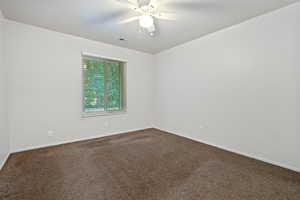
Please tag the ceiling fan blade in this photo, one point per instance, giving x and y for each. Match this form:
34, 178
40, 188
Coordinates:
128, 2
132, 4
108, 17
131, 19
165, 16
156, 3
193, 5
136, 9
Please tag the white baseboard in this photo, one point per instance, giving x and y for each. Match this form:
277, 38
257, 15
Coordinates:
2, 162
297, 169
74, 140
293, 168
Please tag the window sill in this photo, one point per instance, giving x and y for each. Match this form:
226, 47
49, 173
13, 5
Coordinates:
96, 114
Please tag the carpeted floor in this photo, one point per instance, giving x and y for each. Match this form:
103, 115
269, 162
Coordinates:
143, 165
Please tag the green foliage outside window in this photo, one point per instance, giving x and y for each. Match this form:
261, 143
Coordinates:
103, 84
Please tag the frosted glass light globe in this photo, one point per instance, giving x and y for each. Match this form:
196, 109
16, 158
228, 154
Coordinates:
146, 21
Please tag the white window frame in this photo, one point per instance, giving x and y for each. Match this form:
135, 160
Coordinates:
94, 112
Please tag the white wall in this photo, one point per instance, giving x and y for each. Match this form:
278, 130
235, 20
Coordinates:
45, 88
237, 88
4, 136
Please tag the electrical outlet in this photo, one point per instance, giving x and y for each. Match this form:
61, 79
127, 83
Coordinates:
50, 133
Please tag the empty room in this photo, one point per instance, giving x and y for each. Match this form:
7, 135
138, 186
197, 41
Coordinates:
149, 100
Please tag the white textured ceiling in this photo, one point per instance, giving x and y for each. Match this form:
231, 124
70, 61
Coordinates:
98, 19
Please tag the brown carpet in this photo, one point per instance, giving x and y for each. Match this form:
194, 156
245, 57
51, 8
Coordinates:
143, 165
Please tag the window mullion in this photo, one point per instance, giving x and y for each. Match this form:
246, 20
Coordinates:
121, 85
105, 86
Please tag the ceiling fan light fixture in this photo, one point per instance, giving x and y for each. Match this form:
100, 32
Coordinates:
146, 21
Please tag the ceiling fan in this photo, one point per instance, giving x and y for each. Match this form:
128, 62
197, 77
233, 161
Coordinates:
148, 11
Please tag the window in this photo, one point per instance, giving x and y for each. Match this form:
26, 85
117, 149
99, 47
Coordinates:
103, 86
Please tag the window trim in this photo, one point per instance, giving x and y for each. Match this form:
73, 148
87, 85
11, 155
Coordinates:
85, 114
